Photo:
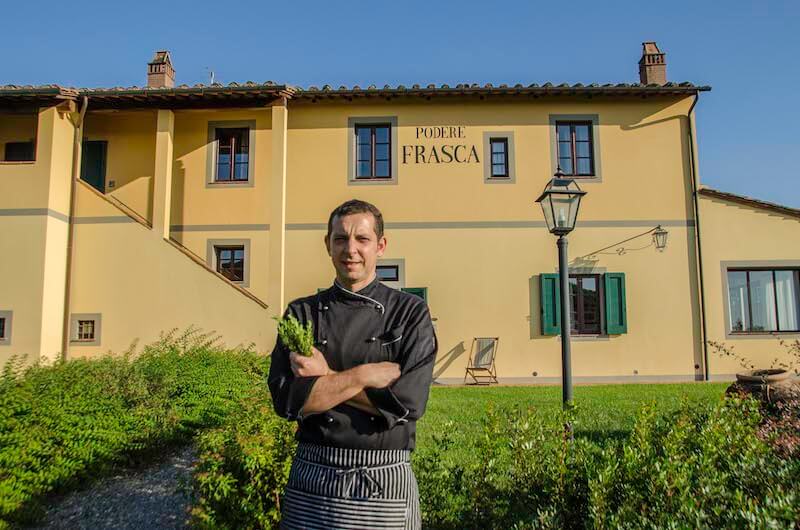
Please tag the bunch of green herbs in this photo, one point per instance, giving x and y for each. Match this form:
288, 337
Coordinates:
294, 336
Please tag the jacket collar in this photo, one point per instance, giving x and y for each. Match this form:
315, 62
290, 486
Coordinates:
365, 294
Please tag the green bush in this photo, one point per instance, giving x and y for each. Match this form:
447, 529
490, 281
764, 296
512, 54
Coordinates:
522, 472
701, 466
74, 420
243, 468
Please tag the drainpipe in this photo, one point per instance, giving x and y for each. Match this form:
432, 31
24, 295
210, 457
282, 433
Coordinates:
692, 151
76, 168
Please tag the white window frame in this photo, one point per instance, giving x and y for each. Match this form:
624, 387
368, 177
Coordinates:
725, 266
73, 328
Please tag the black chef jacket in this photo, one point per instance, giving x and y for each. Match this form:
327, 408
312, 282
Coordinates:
374, 324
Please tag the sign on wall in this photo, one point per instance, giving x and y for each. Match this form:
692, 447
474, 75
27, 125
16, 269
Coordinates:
453, 149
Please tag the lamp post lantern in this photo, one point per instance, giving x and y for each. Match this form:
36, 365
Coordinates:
560, 202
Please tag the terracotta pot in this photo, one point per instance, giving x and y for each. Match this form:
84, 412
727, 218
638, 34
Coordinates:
769, 376
768, 385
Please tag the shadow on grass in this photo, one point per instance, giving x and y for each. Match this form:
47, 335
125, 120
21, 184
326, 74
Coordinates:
603, 437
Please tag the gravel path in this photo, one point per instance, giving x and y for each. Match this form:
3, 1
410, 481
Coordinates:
155, 497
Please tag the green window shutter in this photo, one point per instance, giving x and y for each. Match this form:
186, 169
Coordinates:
616, 315
550, 295
422, 292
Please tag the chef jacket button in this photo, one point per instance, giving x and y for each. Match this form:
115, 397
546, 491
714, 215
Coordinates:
324, 308
325, 341
330, 420
372, 418
373, 339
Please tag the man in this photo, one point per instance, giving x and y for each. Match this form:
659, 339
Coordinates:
358, 397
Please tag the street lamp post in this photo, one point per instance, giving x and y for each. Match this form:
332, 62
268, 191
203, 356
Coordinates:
560, 202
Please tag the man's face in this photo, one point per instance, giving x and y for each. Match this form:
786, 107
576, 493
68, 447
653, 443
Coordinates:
354, 248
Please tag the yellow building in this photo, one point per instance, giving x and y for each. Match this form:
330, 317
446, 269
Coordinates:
127, 212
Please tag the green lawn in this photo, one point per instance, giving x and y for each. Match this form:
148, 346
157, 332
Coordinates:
603, 412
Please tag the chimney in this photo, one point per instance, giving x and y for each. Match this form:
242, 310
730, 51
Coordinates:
160, 73
652, 66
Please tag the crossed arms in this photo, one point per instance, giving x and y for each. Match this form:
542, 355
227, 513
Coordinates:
303, 386
333, 388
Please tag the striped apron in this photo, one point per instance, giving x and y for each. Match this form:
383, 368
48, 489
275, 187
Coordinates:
332, 487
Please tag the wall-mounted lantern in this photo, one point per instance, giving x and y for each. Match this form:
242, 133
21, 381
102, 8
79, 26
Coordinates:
660, 238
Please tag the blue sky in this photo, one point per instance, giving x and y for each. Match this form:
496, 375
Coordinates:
747, 51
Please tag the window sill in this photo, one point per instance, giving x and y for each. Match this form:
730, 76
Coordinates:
84, 341
762, 333
17, 162
239, 283
588, 338
372, 180
499, 180
231, 183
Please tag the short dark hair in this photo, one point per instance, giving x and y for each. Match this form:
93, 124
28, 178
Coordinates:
356, 206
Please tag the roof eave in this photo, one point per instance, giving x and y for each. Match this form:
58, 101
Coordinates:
30, 98
252, 94
187, 97
751, 202
431, 91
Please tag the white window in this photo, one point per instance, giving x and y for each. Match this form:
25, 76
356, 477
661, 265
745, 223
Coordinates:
763, 300
85, 329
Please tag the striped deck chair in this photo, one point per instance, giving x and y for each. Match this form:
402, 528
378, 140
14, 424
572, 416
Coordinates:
481, 361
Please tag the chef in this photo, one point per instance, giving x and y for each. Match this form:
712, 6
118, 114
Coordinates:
358, 397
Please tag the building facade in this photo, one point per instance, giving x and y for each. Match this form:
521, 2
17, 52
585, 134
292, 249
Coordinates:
128, 212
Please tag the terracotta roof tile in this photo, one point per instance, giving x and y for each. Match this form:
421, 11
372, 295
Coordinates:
548, 88
749, 201
145, 96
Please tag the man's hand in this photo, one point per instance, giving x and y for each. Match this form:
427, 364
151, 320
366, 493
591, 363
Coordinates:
338, 387
378, 375
383, 374
303, 366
